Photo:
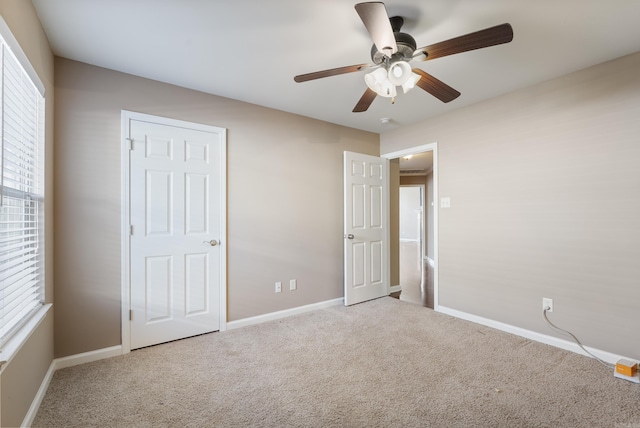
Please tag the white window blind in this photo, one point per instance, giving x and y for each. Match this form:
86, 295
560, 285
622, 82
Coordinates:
21, 195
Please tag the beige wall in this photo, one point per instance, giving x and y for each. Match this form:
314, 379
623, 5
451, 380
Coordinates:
21, 378
413, 180
545, 202
284, 199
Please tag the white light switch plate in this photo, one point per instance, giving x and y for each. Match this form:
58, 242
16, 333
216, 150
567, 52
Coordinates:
445, 202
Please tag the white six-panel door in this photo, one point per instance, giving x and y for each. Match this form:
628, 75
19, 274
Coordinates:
175, 214
366, 232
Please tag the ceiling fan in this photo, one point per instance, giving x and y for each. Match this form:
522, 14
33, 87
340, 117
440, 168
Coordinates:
393, 50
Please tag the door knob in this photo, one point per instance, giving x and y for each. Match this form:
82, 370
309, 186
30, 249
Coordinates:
213, 242
350, 236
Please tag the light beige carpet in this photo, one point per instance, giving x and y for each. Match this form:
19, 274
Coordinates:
383, 363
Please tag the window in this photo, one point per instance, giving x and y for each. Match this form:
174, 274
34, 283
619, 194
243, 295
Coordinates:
21, 188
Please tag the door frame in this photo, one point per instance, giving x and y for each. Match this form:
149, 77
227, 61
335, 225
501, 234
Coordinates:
125, 223
433, 147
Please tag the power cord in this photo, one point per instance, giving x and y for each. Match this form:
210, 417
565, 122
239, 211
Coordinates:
544, 314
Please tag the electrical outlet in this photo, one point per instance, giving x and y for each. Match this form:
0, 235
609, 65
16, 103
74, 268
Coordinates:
278, 287
547, 303
293, 284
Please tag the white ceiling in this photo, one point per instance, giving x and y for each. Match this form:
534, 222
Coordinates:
250, 50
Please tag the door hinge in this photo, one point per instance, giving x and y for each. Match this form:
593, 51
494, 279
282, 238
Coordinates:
130, 143
130, 230
130, 314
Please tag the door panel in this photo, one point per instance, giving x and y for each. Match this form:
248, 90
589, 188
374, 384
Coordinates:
175, 204
196, 203
376, 262
358, 207
158, 198
358, 269
366, 251
376, 207
157, 285
196, 282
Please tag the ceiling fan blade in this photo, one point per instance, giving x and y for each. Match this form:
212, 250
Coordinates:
435, 87
365, 101
374, 17
332, 72
480, 39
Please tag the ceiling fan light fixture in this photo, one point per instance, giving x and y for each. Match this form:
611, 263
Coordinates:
399, 72
392, 51
375, 79
411, 82
378, 82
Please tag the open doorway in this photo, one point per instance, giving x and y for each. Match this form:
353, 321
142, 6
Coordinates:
413, 221
412, 242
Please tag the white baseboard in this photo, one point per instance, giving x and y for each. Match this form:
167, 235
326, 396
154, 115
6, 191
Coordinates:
61, 363
538, 337
37, 400
394, 289
283, 314
87, 357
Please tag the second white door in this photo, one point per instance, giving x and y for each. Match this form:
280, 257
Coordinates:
176, 220
366, 231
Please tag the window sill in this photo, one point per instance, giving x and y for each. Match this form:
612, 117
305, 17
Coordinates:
13, 345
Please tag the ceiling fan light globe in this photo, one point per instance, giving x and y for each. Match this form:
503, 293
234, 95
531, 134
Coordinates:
375, 79
399, 72
411, 82
387, 90
378, 82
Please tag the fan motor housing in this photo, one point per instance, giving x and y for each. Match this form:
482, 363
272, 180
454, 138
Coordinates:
406, 44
